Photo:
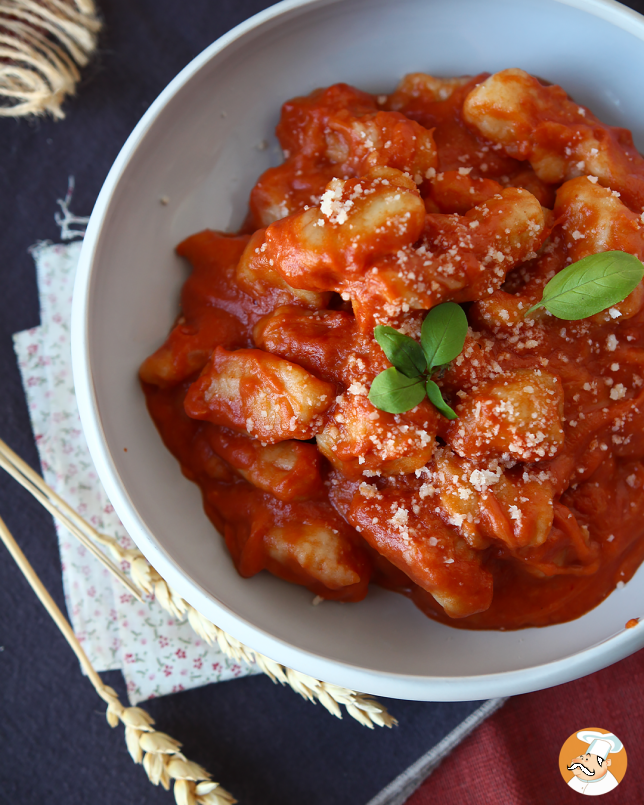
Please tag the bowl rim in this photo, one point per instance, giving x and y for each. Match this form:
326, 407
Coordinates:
395, 685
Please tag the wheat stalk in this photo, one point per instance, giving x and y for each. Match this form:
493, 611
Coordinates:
159, 754
42, 45
42, 493
365, 709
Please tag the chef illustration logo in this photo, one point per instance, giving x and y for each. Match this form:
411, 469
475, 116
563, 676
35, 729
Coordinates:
592, 762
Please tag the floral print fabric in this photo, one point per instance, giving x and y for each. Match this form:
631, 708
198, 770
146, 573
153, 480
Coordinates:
157, 654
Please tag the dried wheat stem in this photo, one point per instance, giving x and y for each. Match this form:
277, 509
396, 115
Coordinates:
48, 602
159, 753
33, 483
363, 708
42, 45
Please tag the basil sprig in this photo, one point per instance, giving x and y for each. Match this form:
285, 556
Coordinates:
405, 385
591, 285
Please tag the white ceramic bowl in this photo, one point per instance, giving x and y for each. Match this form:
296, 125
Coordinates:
198, 145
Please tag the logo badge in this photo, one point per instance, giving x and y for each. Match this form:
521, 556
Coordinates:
593, 761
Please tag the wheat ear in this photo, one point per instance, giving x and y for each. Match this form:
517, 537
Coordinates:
363, 708
159, 753
42, 45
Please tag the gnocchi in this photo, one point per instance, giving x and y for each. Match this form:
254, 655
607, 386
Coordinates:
527, 507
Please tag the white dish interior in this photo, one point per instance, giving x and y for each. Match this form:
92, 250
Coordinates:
200, 145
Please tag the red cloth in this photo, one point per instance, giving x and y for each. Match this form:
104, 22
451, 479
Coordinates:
513, 757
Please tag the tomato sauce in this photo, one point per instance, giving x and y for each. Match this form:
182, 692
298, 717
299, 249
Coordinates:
527, 509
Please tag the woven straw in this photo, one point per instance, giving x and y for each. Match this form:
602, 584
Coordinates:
43, 45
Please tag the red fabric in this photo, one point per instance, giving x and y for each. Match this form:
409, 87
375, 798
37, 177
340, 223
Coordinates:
513, 757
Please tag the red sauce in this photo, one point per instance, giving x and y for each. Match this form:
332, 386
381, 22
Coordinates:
528, 509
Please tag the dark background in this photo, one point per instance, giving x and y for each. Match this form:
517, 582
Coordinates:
261, 741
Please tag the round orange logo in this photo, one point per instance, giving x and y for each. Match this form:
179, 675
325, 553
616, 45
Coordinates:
593, 761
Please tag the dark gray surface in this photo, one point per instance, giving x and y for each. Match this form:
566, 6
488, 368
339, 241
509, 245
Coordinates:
261, 741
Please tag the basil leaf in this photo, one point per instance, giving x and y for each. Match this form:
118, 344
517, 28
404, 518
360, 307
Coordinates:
436, 399
443, 333
405, 353
395, 393
591, 285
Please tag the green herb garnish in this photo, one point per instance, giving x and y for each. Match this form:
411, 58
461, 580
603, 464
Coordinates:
591, 285
401, 350
443, 334
394, 392
436, 399
408, 381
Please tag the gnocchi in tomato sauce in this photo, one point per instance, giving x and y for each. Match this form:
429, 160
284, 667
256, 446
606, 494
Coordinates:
525, 510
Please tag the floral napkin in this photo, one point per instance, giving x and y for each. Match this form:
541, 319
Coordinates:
156, 653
